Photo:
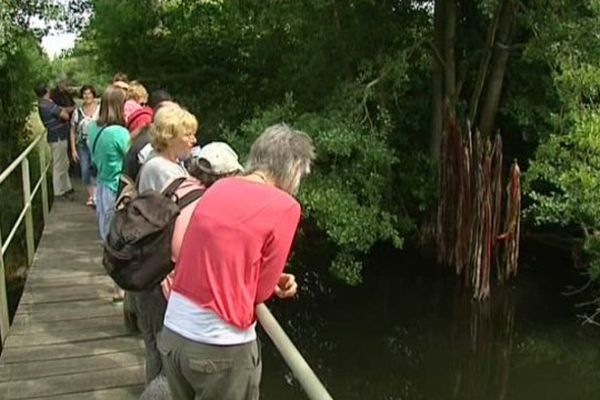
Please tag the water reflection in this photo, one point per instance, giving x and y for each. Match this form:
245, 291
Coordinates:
417, 334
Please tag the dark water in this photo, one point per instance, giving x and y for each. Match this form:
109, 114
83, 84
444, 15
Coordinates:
412, 332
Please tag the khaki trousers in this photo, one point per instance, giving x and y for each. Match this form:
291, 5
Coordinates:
198, 371
60, 167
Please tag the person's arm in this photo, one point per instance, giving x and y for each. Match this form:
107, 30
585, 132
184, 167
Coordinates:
276, 251
73, 137
123, 141
64, 114
59, 112
74, 155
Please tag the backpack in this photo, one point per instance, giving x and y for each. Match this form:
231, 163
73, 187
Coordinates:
137, 250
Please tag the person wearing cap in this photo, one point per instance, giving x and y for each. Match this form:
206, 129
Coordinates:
215, 161
232, 258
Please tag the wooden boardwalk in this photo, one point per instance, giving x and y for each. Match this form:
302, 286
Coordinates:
67, 340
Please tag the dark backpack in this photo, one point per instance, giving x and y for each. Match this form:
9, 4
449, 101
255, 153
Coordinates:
137, 252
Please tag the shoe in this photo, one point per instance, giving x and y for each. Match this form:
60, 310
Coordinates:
90, 202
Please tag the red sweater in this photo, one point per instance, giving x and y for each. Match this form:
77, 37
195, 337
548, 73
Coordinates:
235, 248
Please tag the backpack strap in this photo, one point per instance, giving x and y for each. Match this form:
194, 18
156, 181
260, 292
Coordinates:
98, 137
189, 198
170, 190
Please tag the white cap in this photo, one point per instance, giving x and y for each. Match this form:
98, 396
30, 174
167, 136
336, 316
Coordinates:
221, 157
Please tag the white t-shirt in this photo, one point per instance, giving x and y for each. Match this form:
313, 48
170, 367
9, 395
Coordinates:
203, 325
157, 171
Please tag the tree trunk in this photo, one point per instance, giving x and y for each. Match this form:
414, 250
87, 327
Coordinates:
449, 56
504, 35
484, 66
437, 97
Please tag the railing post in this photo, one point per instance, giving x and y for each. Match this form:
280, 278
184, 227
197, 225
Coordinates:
4, 321
29, 213
42, 156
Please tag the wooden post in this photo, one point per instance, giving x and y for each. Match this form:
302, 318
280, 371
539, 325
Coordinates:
28, 213
4, 321
43, 173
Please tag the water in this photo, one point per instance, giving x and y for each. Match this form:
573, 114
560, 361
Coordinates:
411, 332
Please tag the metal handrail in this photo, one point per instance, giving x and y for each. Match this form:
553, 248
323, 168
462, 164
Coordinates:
26, 215
304, 374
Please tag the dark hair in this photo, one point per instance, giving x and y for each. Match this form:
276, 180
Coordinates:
157, 97
85, 88
112, 107
120, 76
41, 89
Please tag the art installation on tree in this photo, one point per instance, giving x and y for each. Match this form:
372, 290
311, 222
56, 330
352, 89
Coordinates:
478, 226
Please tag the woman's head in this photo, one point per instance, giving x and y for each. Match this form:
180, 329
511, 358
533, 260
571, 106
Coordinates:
87, 94
137, 92
111, 107
283, 154
173, 129
216, 160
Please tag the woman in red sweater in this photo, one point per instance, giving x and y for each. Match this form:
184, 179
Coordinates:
232, 258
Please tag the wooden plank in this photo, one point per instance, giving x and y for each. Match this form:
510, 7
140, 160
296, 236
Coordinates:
66, 311
23, 327
52, 337
130, 392
68, 293
44, 369
56, 282
72, 384
70, 350
68, 341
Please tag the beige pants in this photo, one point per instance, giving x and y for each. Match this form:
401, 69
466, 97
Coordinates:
60, 167
201, 371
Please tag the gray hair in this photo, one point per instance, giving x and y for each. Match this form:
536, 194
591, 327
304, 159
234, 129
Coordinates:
283, 154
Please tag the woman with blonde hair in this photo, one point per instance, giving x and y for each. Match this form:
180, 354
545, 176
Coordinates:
173, 133
231, 259
108, 142
137, 97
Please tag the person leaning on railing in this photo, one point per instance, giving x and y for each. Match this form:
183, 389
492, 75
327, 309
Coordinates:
232, 258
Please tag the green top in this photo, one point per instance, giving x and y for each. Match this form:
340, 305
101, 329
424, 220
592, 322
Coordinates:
109, 153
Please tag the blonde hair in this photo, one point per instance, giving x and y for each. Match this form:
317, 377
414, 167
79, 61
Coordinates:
137, 92
170, 122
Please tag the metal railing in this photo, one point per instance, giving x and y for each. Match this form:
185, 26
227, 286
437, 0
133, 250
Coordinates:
302, 372
26, 215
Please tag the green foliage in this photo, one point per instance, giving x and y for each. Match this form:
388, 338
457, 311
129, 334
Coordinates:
22, 65
348, 195
563, 183
564, 179
354, 75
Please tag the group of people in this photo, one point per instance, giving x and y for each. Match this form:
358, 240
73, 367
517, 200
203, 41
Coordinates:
229, 247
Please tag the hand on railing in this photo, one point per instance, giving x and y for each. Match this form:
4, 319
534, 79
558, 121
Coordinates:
286, 287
